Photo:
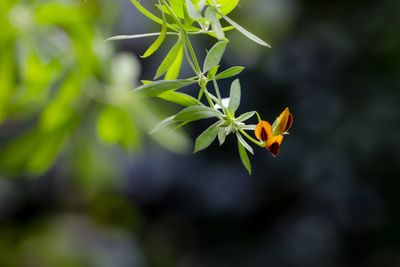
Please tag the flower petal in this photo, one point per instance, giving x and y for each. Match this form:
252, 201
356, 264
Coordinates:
282, 123
263, 131
274, 144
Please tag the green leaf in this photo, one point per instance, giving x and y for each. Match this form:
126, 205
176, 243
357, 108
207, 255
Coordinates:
229, 73
158, 42
222, 135
179, 98
175, 68
115, 126
169, 60
135, 36
234, 98
163, 124
211, 73
245, 116
207, 137
244, 143
158, 87
214, 56
249, 127
246, 32
211, 16
147, 13
177, 7
195, 113
193, 11
244, 157
225, 6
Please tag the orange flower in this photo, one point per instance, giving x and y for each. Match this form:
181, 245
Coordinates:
272, 136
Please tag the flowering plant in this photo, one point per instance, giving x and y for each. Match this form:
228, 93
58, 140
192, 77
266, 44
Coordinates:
182, 19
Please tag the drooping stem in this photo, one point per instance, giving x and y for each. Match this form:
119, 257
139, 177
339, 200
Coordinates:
258, 143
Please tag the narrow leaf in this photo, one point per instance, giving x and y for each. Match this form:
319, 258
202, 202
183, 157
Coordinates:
222, 135
244, 157
179, 98
145, 12
195, 113
211, 16
211, 73
246, 116
229, 73
135, 36
192, 11
164, 123
214, 56
175, 68
246, 32
158, 87
158, 42
244, 143
207, 137
169, 59
250, 127
234, 101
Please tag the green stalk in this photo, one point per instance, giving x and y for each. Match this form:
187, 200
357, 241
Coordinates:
185, 38
208, 98
258, 143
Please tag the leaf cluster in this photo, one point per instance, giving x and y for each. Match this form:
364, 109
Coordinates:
182, 19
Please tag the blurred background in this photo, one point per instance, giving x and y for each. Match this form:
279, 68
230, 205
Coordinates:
82, 184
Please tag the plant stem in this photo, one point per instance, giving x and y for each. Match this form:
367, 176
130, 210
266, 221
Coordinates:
208, 98
260, 144
185, 38
192, 53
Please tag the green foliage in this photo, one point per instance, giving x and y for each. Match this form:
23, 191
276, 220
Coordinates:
214, 56
58, 77
83, 83
207, 137
185, 18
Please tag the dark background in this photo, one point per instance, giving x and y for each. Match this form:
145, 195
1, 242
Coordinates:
329, 199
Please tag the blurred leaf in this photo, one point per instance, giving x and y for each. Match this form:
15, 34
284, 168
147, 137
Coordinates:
125, 70
45, 154
34, 152
233, 71
214, 56
7, 73
115, 126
